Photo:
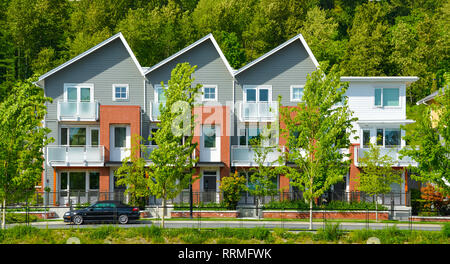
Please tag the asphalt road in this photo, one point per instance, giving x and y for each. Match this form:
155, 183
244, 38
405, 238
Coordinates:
241, 224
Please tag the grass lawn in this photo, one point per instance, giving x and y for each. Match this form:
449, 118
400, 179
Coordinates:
154, 235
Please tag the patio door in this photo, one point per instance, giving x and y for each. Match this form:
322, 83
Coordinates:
120, 142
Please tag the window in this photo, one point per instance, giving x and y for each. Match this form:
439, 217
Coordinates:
253, 132
73, 136
120, 92
160, 97
366, 138
79, 136
209, 136
210, 93
380, 136
78, 92
94, 180
296, 93
94, 137
387, 97
153, 132
120, 137
392, 137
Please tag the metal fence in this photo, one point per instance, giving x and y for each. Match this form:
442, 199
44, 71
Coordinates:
245, 216
67, 198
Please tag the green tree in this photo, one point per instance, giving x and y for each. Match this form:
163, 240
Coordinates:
22, 139
377, 174
172, 164
132, 173
367, 47
430, 142
262, 177
321, 34
316, 130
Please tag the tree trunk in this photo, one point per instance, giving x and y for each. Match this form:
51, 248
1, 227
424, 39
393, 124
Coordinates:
163, 211
310, 213
4, 213
376, 208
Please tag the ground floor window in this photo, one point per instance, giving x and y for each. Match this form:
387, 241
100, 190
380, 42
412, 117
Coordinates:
79, 181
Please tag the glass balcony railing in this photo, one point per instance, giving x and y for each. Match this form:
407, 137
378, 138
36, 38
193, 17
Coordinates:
75, 155
258, 111
78, 111
391, 152
245, 155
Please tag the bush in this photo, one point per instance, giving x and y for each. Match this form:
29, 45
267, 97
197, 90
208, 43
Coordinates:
232, 186
333, 205
446, 230
331, 232
19, 218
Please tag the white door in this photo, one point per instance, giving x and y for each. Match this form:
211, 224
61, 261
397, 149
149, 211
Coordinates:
120, 142
210, 143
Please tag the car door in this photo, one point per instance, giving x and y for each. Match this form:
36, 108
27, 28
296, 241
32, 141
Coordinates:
110, 212
94, 212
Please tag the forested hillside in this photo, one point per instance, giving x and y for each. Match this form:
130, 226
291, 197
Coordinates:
385, 37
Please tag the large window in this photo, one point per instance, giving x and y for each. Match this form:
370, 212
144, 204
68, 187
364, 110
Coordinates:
78, 92
249, 132
386, 137
387, 97
79, 136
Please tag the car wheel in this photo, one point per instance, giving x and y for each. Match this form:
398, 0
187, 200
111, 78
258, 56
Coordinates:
123, 219
78, 219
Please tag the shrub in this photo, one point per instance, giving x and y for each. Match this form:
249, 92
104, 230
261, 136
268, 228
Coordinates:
331, 232
232, 186
19, 218
446, 230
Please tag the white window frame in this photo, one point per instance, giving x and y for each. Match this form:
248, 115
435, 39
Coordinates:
292, 93
88, 133
382, 95
114, 92
155, 92
78, 86
257, 87
215, 93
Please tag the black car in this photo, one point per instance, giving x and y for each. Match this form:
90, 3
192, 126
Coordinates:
103, 211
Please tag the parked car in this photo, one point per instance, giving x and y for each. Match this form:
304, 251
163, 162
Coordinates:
103, 211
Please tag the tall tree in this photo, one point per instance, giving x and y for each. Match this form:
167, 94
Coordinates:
22, 139
430, 142
172, 164
316, 130
132, 173
367, 47
377, 174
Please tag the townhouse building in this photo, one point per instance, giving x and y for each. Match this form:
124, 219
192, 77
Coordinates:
102, 97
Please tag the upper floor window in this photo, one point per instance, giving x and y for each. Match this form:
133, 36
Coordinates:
209, 92
120, 92
387, 97
160, 97
297, 93
78, 92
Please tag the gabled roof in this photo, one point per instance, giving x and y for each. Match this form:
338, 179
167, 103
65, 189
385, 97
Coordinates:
405, 79
275, 50
89, 51
193, 45
429, 97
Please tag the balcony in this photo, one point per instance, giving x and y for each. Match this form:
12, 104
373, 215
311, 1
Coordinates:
77, 111
258, 111
245, 156
75, 155
391, 152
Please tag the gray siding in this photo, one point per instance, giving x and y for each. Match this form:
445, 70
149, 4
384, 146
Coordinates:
289, 66
104, 67
210, 70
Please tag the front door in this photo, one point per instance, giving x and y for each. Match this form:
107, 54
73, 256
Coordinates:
120, 142
210, 143
209, 186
